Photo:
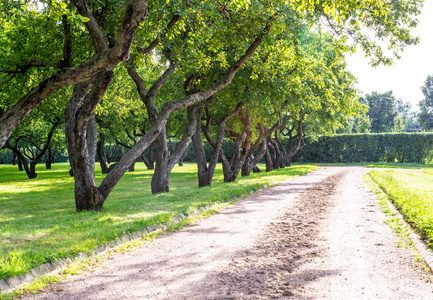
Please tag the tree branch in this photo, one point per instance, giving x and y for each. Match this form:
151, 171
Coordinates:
155, 43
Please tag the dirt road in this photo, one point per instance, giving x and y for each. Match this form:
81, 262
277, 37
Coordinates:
319, 236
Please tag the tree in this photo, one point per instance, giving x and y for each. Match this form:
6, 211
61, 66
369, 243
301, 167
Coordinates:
425, 116
31, 143
68, 75
92, 76
382, 111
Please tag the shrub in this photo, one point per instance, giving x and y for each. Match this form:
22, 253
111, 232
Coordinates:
374, 147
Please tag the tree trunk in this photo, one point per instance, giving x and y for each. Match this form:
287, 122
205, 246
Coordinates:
48, 159
256, 169
101, 153
252, 161
292, 147
268, 160
81, 136
20, 165
151, 157
165, 163
14, 159
111, 153
86, 193
276, 157
205, 171
180, 162
246, 168
32, 170
241, 149
146, 162
160, 178
132, 167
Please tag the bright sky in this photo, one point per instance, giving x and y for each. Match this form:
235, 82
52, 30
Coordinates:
406, 76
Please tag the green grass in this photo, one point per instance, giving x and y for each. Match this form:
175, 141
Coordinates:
38, 221
412, 194
379, 165
399, 165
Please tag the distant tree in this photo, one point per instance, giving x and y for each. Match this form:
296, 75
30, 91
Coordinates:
425, 116
382, 111
362, 125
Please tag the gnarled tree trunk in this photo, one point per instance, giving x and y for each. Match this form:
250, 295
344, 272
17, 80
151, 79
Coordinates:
252, 161
206, 171
241, 148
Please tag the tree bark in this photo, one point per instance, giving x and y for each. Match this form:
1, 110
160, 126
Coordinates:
160, 183
268, 160
81, 131
48, 158
101, 153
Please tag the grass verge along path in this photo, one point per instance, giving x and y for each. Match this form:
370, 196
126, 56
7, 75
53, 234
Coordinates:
412, 194
38, 221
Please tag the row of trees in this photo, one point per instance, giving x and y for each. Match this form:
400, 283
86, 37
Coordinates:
138, 72
426, 105
386, 113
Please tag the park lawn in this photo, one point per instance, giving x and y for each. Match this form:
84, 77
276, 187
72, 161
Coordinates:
412, 194
385, 165
38, 221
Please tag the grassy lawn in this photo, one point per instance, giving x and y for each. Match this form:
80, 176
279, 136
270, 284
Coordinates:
38, 222
399, 165
379, 165
413, 196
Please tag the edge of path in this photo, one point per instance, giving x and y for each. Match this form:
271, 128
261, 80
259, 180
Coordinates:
419, 244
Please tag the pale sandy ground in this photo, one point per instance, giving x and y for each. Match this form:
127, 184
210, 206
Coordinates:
319, 236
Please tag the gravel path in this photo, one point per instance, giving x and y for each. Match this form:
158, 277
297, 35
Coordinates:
319, 236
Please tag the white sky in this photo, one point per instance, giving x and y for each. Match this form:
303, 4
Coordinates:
406, 76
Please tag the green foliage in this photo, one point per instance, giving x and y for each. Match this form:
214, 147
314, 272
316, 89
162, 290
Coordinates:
426, 105
412, 195
382, 111
38, 221
385, 147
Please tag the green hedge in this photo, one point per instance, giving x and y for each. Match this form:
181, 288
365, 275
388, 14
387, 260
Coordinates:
374, 147
377, 147
6, 157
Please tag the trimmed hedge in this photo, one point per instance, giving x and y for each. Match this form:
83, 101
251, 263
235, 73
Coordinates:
373, 147
6, 157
